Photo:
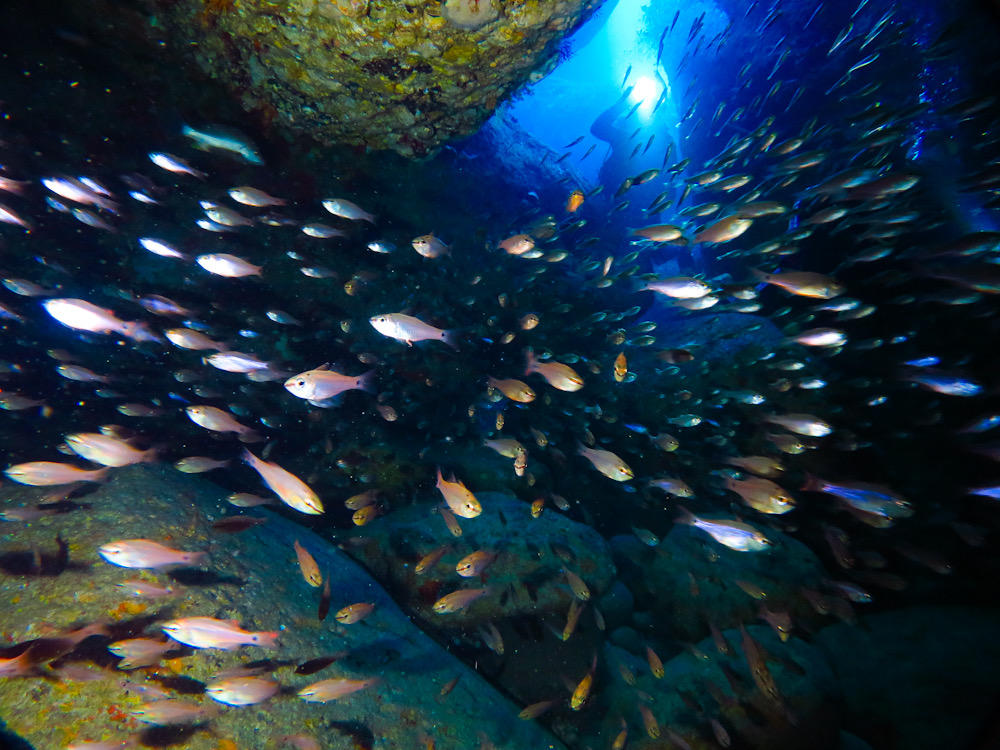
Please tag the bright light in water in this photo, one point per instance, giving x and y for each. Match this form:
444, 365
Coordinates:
647, 91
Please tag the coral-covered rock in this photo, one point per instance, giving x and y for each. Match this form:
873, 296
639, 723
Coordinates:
403, 76
706, 685
693, 581
52, 581
919, 678
526, 577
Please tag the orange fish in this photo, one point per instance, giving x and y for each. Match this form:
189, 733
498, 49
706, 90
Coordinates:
649, 721
580, 590
655, 665
461, 502
572, 618
328, 690
450, 521
293, 491
537, 507
46, 473
724, 230
431, 559
582, 692
354, 613
474, 564
519, 244
515, 390
308, 566
458, 600
575, 201
537, 709
621, 367
366, 515
559, 376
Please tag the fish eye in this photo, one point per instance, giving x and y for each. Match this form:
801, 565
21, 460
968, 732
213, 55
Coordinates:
300, 382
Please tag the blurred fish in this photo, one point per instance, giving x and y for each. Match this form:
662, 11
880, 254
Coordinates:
107, 451
328, 690
175, 164
170, 712
408, 329
354, 613
224, 139
307, 566
227, 265
45, 473
574, 201
733, 534
146, 554
242, 691
293, 491
207, 632
430, 246
323, 383
458, 600
250, 196
606, 462
347, 210
558, 375
217, 420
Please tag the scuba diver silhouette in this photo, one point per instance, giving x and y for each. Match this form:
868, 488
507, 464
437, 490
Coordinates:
616, 127
614, 169
626, 136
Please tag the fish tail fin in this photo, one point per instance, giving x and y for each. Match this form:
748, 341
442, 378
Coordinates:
151, 455
251, 436
451, 339
811, 483
758, 275
366, 382
101, 475
249, 458
530, 361
685, 516
267, 639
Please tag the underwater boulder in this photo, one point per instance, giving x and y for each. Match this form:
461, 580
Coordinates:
921, 677
693, 581
505, 155
52, 581
526, 578
703, 685
402, 76
717, 338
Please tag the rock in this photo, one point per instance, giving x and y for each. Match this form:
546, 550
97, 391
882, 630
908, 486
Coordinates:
251, 577
525, 579
691, 581
804, 680
626, 638
616, 606
922, 677
403, 76
849, 741
505, 154
719, 337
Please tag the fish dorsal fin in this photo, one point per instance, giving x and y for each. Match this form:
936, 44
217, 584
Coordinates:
324, 366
